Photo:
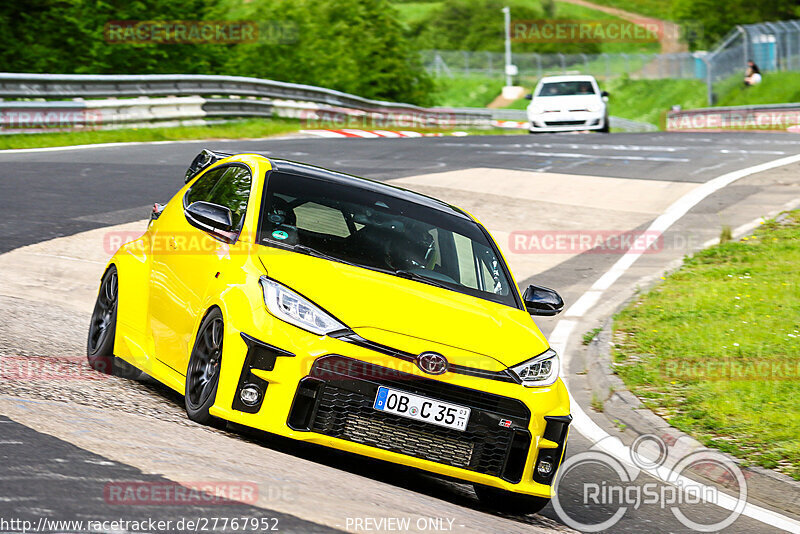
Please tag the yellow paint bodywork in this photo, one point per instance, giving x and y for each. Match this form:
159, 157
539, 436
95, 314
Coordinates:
166, 288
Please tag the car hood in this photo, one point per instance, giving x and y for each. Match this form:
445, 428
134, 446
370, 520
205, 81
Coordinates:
566, 103
409, 315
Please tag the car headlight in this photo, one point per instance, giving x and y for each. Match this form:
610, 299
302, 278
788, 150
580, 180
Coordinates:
595, 107
291, 307
539, 371
536, 109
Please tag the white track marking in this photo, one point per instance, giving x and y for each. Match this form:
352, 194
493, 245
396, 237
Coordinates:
388, 133
578, 155
323, 133
565, 327
360, 133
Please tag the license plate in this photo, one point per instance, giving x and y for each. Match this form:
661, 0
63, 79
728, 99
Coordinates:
422, 408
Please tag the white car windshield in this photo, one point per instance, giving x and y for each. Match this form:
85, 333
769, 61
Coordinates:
567, 89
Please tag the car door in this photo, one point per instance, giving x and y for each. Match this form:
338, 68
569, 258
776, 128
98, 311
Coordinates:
187, 257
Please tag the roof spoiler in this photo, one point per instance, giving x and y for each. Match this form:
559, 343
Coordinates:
202, 161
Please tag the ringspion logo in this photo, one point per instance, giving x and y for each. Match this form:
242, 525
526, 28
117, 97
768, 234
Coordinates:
621, 488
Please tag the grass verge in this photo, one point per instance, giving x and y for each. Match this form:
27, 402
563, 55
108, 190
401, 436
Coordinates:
651, 8
252, 128
247, 129
715, 348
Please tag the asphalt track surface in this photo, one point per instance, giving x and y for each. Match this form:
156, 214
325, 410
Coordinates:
44, 195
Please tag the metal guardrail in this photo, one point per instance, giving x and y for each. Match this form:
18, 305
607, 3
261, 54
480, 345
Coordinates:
628, 125
113, 101
231, 96
58, 86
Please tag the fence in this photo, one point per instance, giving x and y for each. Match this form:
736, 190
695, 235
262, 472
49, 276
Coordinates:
644, 66
773, 46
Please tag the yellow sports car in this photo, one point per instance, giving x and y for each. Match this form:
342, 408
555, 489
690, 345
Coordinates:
344, 312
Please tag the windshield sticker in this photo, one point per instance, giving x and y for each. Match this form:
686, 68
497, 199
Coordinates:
280, 234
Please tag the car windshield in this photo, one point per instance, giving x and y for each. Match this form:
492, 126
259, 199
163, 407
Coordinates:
566, 89
370, 229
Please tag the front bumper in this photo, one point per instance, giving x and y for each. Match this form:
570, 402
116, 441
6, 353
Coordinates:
566, 122
321, 390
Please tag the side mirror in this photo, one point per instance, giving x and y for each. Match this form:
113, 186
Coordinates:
604, 95
529, 96
542, 301
213, 216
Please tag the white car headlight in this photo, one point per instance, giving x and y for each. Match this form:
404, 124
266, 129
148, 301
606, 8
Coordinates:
539, 371
289, 306
595, 107
536, 109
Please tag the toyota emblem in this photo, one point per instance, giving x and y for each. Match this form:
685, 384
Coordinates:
432, 363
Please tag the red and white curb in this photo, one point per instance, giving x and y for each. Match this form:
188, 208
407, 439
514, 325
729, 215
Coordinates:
350, 132
512, 124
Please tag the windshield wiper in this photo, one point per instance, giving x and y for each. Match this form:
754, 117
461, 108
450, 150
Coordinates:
304, 249
411, 275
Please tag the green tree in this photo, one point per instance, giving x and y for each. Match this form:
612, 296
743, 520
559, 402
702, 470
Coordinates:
707, 21
356, 46
478, 25
67, 36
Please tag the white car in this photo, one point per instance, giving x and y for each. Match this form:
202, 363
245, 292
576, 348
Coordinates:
568, 103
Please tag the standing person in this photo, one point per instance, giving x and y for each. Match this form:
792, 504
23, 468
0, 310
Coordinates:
752, 75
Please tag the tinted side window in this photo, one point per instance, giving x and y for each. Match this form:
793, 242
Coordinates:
233, 191
201, 190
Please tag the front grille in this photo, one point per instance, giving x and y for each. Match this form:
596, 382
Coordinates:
344, 391
399, 438
565, 123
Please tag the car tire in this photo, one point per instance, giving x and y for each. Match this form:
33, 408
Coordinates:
103, 329
606, 127
509, 502
202, 374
